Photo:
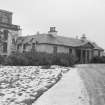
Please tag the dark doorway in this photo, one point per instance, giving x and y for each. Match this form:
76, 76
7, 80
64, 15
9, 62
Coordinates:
78, 53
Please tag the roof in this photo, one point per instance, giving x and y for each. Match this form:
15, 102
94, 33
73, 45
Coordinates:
57, 40
96, 47
1, 10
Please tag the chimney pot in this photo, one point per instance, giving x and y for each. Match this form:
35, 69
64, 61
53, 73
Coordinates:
52, 31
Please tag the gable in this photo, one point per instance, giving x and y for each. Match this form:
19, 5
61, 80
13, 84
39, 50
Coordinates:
87, 45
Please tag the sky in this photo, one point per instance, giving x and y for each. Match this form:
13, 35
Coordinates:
70, 17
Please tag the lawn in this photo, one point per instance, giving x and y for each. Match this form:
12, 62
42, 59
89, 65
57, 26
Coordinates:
22, 85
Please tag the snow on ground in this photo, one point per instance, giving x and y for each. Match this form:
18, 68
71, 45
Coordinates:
23, 85
69, 90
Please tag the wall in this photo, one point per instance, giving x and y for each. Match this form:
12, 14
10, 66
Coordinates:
95, 53
28, 48
62, 49
11, 46
48, 49
5, 17
11, 34
74, 52
44, 48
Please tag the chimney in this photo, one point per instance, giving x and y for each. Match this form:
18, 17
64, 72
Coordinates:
52, 31
83, 38
38, 33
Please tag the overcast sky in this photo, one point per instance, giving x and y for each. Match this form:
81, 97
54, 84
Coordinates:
70, 17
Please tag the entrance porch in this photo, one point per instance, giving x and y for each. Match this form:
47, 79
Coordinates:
84, 55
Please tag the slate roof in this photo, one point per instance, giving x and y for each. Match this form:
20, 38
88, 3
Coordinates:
56, 40
96, 47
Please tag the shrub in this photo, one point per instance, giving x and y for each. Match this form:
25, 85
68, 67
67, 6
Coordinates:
16, 59
37, 59
64, 59
98, 59
2, 59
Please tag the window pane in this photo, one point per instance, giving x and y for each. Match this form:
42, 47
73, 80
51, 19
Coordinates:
4, 47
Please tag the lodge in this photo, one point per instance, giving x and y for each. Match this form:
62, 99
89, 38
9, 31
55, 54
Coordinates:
52, 43
11, 41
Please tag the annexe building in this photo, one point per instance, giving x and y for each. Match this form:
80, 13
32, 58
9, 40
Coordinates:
51, 42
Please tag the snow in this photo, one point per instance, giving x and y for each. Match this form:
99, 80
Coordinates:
22, 85
70, 90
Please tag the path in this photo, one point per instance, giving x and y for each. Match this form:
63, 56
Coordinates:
84, 85
69, 91
94, 79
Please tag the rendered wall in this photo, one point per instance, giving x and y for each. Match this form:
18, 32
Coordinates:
44, 48
62, 49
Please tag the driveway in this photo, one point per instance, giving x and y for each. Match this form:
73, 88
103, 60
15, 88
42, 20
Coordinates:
69, 91
83, 85
93, 77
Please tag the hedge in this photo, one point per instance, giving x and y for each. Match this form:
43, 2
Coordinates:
37, 59
98, 59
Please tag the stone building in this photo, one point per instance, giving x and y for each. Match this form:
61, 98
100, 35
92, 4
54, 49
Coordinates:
8, 33
51, 42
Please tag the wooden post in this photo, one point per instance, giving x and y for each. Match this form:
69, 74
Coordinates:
81, 58
85, 56
90, 55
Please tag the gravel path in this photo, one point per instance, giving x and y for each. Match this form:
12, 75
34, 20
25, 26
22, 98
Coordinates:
93, 77
69, 91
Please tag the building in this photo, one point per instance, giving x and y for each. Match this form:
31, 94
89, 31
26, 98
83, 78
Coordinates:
8, 33
50, 42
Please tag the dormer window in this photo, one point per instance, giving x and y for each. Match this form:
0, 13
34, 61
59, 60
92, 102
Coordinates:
33, 45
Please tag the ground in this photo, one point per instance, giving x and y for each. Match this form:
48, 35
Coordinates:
93, 77
24, 85
82, 85
69, 90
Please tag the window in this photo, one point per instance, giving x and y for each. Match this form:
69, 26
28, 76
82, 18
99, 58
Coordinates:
5, 18
4, 47
0, 19
13, 41
18, 46
55, 49
70, 51
33, 47
5, 34
24, 46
